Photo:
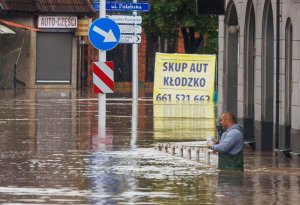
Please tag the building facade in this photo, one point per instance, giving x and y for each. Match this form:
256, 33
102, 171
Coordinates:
258, 80
44, 51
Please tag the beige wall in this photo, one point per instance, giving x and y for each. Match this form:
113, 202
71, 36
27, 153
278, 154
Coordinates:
289, 9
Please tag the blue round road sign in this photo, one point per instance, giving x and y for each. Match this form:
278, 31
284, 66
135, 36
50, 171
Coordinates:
104, 34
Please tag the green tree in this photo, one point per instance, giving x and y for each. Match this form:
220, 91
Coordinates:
167, 17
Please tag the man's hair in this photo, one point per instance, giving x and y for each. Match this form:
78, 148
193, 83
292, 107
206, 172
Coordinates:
230, 116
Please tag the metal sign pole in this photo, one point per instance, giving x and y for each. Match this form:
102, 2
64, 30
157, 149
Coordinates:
134, 123
102, 97
134, 65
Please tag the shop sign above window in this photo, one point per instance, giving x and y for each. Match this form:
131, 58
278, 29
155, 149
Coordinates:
57, 22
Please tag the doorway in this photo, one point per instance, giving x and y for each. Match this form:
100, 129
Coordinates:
249, 73
267, 79
286, 142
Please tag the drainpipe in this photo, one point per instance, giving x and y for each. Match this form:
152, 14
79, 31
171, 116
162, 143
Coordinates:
277, 72
78, 84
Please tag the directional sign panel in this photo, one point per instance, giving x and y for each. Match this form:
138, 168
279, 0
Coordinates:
131, 29
130, 38
126, 19
104, 34
129, 26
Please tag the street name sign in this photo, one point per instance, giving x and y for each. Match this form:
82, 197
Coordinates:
104, 34
124, 6
126, 19
121, 6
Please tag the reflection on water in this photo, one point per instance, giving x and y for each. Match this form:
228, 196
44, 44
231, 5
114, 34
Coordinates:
137, 175
51, 153
197, 121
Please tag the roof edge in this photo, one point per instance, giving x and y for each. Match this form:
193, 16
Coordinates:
85, 8
90, 5
18, 25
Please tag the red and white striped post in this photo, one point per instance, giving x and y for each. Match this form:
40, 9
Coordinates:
103, 77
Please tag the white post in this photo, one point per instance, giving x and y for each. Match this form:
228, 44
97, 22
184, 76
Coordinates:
134, 123
134, 89
102, 97
134, 65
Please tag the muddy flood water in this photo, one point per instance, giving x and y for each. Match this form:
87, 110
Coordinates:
52, 152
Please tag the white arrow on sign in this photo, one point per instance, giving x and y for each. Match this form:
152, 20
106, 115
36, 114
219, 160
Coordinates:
108, 36
130, 29
130, 38
126, 19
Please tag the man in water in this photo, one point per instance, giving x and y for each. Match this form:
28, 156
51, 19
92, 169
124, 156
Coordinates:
230, 147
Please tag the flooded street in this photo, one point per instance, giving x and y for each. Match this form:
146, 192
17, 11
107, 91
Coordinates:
51, 152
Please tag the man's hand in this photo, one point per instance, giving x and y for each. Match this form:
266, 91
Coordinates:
209, 145
215, 141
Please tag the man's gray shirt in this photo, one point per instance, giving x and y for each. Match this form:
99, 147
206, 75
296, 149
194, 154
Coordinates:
232, 141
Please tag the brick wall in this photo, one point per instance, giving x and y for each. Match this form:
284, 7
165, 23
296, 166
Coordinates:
92, 57
180, 43
142, 58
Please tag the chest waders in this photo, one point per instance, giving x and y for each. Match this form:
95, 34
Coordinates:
231, 162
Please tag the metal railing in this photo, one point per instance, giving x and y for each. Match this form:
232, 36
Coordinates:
199, 153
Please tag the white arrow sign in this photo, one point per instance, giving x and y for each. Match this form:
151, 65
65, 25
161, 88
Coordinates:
130, 38
126, 19
130, 29
108, 36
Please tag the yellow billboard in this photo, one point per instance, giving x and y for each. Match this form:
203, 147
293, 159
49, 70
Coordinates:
183, 96
187, 78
